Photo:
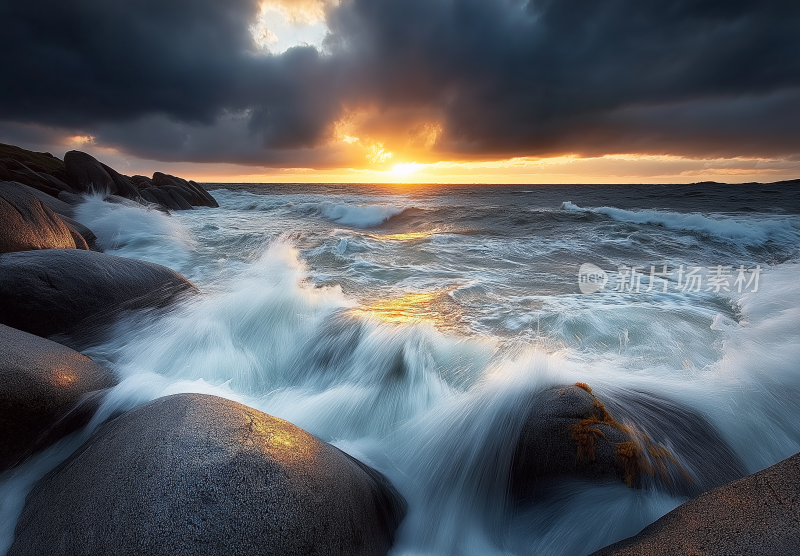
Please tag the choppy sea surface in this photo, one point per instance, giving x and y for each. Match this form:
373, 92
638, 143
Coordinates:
407, 324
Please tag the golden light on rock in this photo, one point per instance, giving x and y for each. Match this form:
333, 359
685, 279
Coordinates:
63, 377
281, 439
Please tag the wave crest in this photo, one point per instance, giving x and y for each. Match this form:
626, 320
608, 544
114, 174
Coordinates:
360, 216
749, 230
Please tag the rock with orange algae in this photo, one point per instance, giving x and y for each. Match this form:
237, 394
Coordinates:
46, 391
197, 474
565, 433
759, 514
634, 437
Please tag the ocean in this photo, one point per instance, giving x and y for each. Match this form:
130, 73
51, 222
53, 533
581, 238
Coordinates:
408, 325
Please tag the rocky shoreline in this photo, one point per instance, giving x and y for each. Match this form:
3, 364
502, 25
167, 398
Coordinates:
197, 474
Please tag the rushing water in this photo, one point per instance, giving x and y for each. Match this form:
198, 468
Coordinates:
409, 326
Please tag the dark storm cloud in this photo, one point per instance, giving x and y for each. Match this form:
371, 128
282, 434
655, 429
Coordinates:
502, 77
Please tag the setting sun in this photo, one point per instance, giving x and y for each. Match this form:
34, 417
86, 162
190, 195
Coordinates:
406, 168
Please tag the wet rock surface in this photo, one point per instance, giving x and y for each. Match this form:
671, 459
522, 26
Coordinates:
46, 391
82, 173
56, 291
28, 223
759, 514
634, 437
197, 474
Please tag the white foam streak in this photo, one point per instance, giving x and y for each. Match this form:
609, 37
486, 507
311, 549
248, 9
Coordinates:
136, 232
439, 414
748, 230
360, 216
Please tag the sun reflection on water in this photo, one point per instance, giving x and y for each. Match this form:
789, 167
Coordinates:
436, 308
403, 237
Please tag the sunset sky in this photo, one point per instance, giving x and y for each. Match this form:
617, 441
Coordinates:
433, 91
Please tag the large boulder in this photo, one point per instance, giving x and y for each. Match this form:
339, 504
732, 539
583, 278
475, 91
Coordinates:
83, 236
125, 186
53, 203
565, 433
41, 171
42, 162
197, 195
87, 174
81, 233
633, 437
46, 391
758, 514
161, 197
58, 291
196, 474
29, 224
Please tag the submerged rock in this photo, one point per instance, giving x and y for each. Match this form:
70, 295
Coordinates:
635, 437
565, 433
55, 291
45, 393
755, 515
27, 223
197, 474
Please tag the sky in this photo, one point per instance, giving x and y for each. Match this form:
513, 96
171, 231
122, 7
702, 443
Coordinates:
428, 91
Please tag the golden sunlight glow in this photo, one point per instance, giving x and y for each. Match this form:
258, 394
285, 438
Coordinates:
281, 24
410, 236
80, 139
377, 154
299, 11
407, 168
63, 377
567, 169
435, 308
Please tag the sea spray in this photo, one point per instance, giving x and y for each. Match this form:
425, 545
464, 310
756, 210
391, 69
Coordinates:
284, 324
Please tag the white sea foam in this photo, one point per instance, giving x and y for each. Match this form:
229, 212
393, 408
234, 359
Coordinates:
747, 229
136, 232
437, 412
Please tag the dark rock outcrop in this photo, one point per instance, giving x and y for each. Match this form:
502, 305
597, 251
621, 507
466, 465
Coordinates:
86, 174
634, 437
58, 206
78, 230
70, 198
125, 186
189, 188
142, 182
180, 197
42, 171
162, 198
83, 173
196, 474
55, 291
759, 514
29, 224
46, 392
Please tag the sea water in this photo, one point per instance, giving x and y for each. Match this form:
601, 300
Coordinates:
409, 326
